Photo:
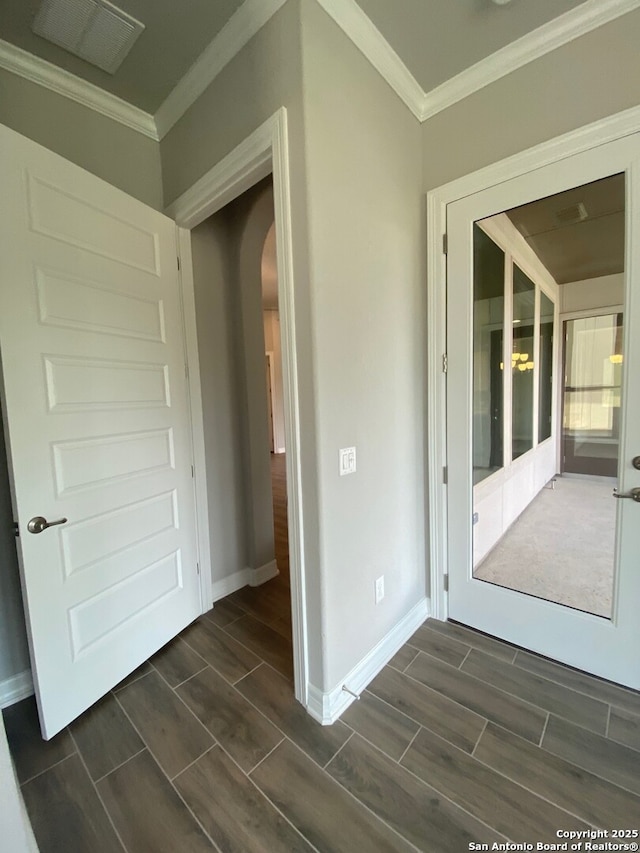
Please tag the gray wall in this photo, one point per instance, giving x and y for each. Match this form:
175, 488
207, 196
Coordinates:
227, 250
250, 217
264, 76
367, 244
119, 155
358, 240
356, 162
217, 320
593, 76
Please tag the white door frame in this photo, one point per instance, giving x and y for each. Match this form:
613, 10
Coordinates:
600, 132
264, 152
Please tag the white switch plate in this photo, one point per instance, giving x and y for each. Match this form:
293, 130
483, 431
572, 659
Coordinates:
347, 460
379, 589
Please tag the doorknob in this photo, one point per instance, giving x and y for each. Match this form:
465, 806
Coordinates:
634, 494
636, 462
37, 524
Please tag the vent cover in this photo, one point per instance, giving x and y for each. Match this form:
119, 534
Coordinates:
571, 215
94, 30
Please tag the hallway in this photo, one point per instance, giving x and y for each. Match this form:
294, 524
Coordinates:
270, 603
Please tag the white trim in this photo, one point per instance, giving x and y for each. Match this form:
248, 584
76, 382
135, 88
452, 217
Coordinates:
239, 29
369, 40
592, 135
327, 707
198, 458
243, 577
266, 151
254, 14
232, 583
248, 163
14, 689
263, 573
599, 132
600, 311
565, 28
37, 70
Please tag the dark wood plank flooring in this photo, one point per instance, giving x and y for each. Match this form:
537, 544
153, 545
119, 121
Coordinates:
460, 738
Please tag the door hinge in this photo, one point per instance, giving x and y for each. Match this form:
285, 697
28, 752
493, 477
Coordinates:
445, 362
445, 583
198, 568
445, 244
445, 475
16, 529
192, 472
178, 260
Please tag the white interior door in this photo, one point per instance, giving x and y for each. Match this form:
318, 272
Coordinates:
605, 646
95, 388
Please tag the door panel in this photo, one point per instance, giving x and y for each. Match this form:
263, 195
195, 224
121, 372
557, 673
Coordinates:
604, 646
98, 425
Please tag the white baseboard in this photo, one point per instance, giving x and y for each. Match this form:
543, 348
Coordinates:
263, 574
280, 450
327, 707
14, 689
243, 577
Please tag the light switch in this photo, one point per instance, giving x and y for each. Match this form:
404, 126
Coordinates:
347, 460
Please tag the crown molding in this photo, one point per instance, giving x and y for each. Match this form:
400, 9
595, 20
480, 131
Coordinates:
370, 41
239, 29
254, 14
37, 70
560, 31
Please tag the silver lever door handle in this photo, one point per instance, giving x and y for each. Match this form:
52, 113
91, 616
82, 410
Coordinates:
37, 524
634, 494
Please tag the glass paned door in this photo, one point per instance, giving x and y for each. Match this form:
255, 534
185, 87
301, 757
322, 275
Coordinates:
536, 557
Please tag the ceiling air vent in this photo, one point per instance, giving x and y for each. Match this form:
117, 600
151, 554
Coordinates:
94, 30
572, 214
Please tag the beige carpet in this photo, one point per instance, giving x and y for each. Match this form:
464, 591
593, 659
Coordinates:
561, 548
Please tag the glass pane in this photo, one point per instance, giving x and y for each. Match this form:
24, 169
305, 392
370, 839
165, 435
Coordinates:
524, 293
545, 374
488, 334
537, 532
592, 394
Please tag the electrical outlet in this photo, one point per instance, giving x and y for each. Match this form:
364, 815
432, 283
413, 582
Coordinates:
379, 589
347, 460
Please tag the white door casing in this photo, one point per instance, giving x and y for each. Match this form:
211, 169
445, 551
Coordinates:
604, 647
92, 342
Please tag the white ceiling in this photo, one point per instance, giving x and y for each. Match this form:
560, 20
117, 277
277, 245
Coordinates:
436, 39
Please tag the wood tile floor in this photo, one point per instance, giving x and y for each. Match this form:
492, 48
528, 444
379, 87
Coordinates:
460, 738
